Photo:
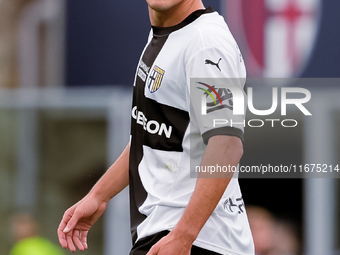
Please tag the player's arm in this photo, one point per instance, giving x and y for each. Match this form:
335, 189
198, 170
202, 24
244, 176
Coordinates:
79, 218
221, 150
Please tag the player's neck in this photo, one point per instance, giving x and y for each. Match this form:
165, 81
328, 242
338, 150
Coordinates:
175, 14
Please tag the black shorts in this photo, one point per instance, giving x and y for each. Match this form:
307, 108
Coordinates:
144, 245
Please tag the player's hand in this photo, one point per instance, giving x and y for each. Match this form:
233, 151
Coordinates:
77, 221
170, 245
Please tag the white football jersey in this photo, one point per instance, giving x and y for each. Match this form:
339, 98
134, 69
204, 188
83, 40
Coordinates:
166, 135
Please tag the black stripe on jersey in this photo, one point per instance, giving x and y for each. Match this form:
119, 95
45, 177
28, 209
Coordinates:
169, 117
223, 131
174, 118
137, 191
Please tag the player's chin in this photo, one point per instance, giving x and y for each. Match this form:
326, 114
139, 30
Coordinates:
160, 5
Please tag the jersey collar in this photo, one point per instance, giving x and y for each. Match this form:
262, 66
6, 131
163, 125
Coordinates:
192, 17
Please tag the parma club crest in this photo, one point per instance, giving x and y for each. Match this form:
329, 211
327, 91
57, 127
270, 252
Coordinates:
276, 36
155, 78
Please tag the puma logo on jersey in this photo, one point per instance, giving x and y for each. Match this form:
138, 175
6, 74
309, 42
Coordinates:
207, 61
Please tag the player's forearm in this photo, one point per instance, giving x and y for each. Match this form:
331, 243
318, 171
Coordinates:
221, 150
114, 180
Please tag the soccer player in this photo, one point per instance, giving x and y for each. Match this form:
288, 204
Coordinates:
172, 213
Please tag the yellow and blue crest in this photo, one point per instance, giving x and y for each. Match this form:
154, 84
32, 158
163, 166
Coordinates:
155, 78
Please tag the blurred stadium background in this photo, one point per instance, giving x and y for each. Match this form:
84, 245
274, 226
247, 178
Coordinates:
66, 71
